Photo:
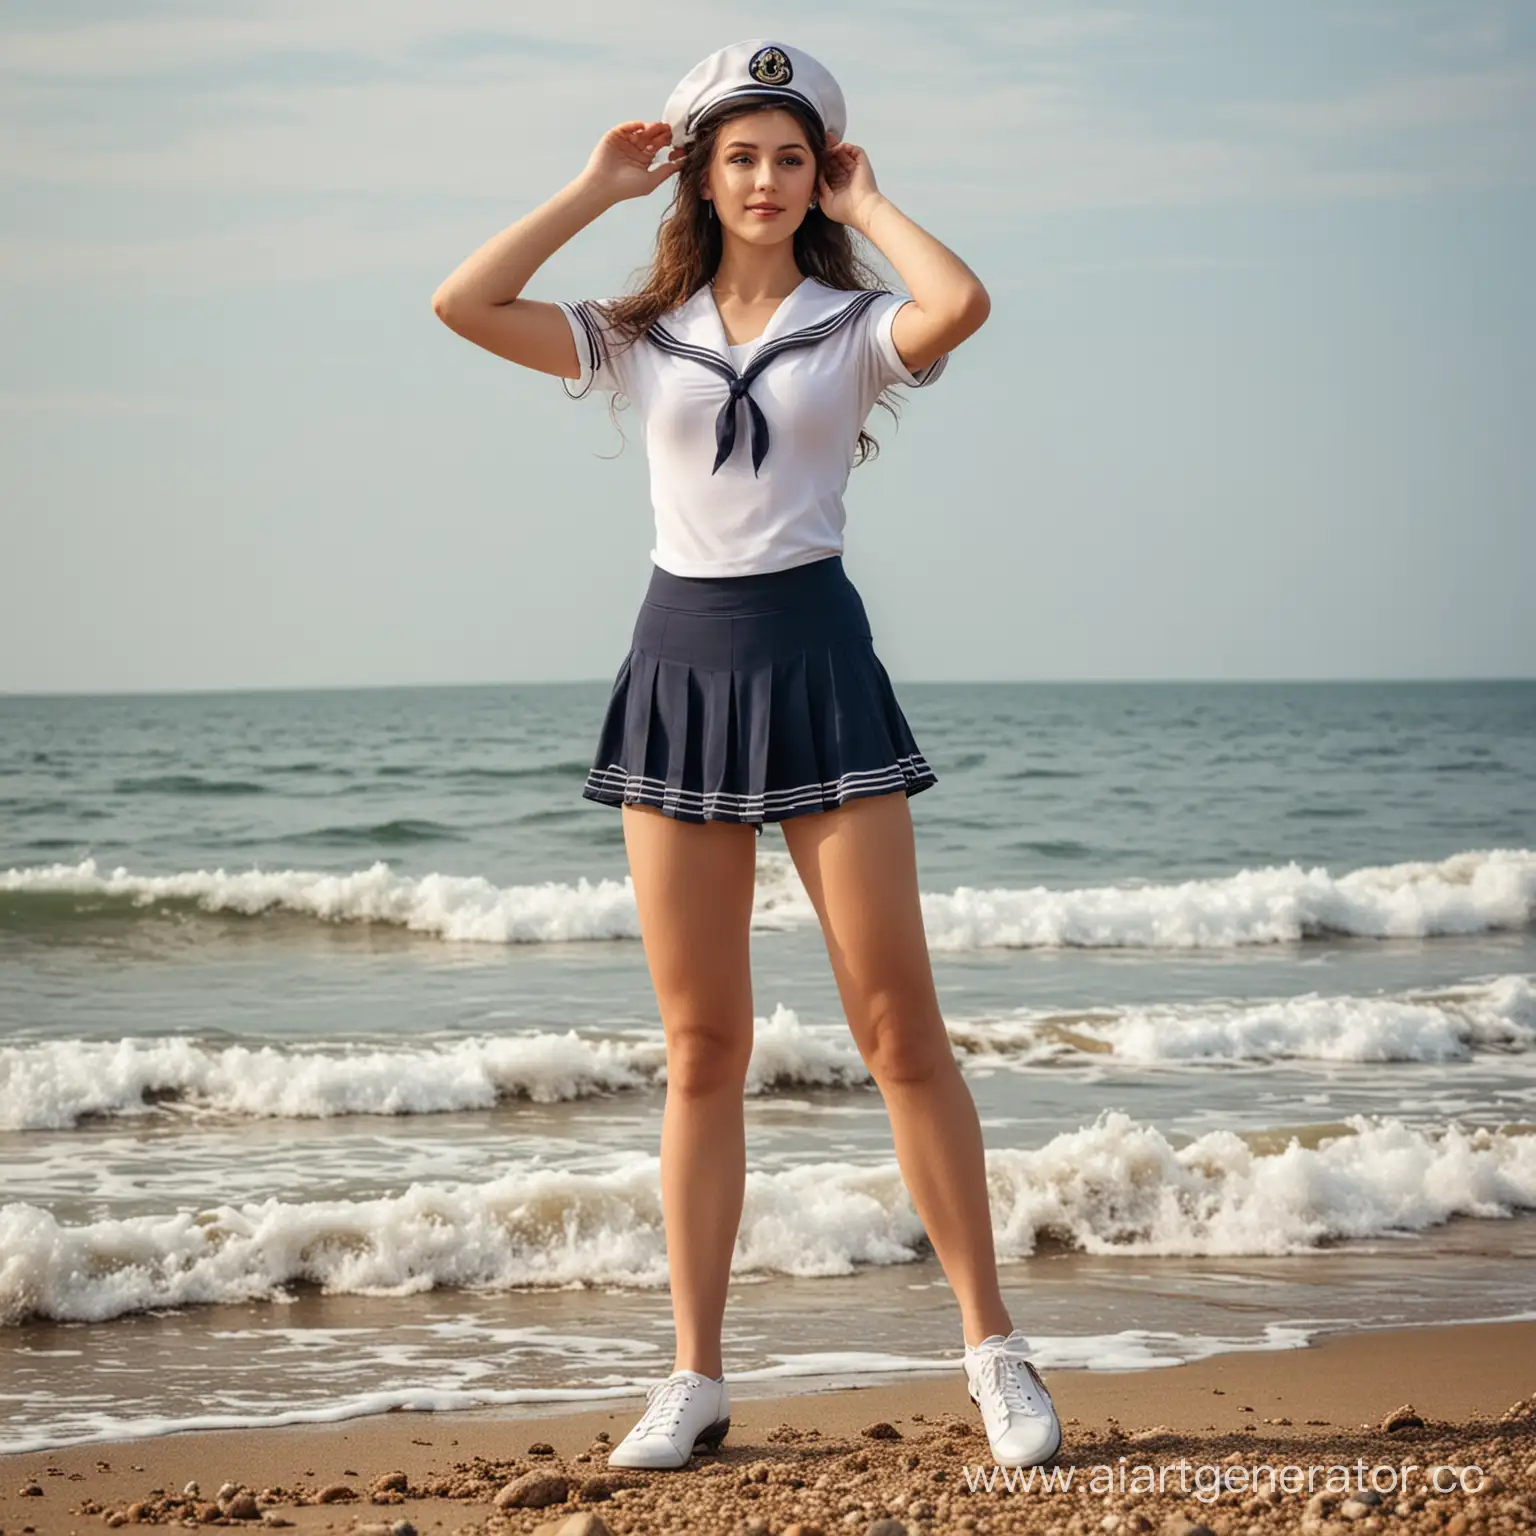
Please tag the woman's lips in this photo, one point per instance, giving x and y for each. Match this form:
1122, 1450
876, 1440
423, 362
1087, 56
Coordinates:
764, 212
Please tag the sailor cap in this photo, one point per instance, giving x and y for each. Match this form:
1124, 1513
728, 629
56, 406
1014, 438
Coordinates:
756, 67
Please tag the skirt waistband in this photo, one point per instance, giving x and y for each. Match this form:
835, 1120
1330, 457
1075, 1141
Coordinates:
816, 584
715, 622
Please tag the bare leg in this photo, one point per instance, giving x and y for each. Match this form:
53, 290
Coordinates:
693, 888
859, 866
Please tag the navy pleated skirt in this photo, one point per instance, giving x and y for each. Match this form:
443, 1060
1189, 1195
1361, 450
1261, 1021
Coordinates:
753, 699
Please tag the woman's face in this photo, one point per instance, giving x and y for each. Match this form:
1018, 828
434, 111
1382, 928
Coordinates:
761, 176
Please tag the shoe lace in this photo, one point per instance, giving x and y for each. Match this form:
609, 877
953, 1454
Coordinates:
1005, 1373
664, 1402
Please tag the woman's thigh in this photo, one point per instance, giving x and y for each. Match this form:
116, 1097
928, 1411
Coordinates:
694, 888
859, 867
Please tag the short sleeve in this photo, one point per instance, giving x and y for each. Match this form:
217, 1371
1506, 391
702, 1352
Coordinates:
887, 363
599, 352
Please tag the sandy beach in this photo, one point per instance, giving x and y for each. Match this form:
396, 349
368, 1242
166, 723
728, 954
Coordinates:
1294, 1436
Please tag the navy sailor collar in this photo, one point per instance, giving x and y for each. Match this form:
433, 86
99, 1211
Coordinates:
694, 331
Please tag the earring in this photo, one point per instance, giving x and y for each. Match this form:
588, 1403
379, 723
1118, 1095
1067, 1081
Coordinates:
709, 207
813, 204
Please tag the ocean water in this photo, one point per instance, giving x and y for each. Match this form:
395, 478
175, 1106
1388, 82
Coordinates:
331, 1077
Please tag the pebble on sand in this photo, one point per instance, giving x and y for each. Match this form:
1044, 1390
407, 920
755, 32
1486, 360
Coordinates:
533, 1490
584, 1524
392, 1482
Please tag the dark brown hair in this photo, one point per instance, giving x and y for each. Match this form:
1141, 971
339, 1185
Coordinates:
690, 242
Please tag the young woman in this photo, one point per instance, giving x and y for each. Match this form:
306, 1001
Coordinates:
751, 693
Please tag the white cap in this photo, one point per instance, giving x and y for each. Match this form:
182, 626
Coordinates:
756, 67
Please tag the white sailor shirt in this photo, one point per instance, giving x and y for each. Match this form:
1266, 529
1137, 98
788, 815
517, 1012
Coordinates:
750, 448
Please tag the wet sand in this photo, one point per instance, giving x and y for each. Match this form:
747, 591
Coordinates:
1295, 1435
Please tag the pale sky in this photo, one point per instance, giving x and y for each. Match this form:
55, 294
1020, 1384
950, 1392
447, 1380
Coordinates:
1257, 398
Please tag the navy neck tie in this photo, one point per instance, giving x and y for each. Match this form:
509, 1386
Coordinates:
740, 384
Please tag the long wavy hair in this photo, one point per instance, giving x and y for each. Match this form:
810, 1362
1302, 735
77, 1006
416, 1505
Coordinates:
690, 241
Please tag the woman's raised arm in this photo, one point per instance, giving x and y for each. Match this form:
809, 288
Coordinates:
479, 299
948, 300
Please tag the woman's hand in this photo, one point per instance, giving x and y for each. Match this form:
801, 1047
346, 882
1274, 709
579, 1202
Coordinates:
620, 167
846, 185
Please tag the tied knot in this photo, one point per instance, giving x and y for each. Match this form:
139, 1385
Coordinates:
739, 385
739, 388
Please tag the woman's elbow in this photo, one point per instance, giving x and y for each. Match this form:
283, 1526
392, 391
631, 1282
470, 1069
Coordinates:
963, 316
977, 306
460, 315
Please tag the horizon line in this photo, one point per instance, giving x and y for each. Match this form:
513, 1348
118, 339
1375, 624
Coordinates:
907, 682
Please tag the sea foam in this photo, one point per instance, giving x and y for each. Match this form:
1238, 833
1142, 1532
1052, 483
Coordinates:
1114, 1187
1427, 1025
1471, 892
55, 1084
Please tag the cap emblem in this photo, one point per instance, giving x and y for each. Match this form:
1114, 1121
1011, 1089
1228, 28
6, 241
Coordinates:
770, 67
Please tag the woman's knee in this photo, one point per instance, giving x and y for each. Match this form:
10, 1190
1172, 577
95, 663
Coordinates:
707, 1056
902, 1040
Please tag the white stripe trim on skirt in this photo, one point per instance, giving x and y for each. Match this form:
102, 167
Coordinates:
638, 788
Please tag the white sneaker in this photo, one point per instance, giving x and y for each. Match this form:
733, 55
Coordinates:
685, 1410
1021, 1421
